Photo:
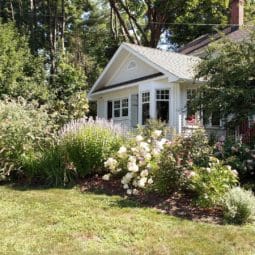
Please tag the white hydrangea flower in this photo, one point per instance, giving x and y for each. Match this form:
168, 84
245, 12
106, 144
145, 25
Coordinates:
139, 138
135, 192
132, 159
235, 172
156, 133
208, 169
129, 191
145, 146
106, 177
125, 186
155, 152
150, 181
141, 183
144, 173
122, 152
147, 156
111, 163
132, 167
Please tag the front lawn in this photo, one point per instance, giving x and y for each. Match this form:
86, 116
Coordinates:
59, 221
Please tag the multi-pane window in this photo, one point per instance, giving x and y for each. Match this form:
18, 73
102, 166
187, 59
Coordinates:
117, 109
124, 105
120, 108
145, 107
162, 104
191, 114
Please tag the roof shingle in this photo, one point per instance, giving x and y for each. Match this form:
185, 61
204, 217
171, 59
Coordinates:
178, 64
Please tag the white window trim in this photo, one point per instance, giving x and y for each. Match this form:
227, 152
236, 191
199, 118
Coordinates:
163, 100
147, 102
128, 107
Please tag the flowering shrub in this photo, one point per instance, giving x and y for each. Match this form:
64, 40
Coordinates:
239, 156
87, 143
137, 162
239, 206
210, 183
177, 161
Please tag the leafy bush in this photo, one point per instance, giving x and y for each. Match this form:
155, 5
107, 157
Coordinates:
239, 156
24, 128
137, 162
211, 183
239, 206
87, 143
178, 158
48, 167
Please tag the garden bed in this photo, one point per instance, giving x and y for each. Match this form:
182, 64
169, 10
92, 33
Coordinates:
177, 204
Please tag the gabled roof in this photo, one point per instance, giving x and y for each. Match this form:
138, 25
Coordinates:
204, 40
171, 64
177, 64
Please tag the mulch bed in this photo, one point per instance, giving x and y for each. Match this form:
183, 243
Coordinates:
176, 204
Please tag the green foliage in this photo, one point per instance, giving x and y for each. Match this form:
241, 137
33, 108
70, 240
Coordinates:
178, 158
152, 125
87, 144
46, 167
239, 206
69, 87
211, 183
23, 128
239, 156
229, 70
21, 74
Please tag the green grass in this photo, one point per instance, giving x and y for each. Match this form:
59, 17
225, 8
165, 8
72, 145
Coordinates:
59, 221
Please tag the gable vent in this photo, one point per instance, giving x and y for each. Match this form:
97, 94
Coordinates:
131, 65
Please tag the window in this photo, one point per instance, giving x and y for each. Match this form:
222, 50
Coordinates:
145, 107
212, 119
162, 104
117, 109
191, 114
120, 108
124, 104
215, 119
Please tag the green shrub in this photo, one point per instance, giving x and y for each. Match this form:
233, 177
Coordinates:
211, 183
152, 125
239, 206
239, 156
88, 143
24, 128
48, 167
177, 158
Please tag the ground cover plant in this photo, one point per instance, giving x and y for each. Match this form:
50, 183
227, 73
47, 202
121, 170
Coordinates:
66, 221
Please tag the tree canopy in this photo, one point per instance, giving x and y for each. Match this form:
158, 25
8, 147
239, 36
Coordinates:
230, 80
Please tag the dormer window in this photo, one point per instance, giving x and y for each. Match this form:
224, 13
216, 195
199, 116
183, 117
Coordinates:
131, 65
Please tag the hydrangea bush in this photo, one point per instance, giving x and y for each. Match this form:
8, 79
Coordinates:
137, 162
210, 183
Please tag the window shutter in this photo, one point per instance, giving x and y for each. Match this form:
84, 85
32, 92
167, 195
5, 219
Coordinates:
109, 110
134, 110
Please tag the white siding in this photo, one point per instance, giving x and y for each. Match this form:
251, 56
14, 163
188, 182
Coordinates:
124, 74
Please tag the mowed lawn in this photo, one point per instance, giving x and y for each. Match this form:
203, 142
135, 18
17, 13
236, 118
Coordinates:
66, 221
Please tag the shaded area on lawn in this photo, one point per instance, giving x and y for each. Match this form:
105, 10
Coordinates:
177, 204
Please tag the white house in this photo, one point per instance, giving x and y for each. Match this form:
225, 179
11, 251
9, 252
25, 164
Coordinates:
141, 83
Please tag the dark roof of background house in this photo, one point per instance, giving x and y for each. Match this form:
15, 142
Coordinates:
204, 40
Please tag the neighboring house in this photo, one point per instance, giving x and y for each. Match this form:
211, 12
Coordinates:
140, 83
235, 32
